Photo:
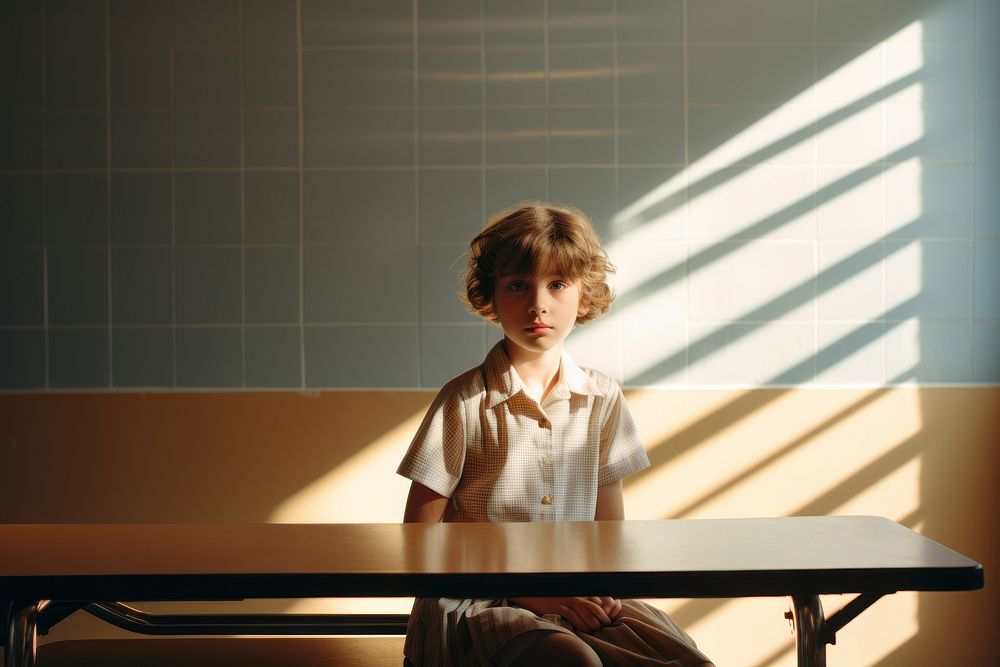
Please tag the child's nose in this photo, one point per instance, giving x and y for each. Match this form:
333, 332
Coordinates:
540, 302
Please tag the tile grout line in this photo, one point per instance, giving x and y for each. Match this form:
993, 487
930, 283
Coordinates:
686, 182
414, 73
815, 183
241, 22
107, 187
482, 141
546, 47
45, 201
173, 198
299, 51
972, 188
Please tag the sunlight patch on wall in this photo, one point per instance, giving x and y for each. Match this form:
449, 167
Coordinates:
877, 633
816, 185
806, 451
795, 449
743, 631
362, 489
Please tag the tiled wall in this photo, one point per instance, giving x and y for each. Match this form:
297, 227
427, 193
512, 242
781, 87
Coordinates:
266, 193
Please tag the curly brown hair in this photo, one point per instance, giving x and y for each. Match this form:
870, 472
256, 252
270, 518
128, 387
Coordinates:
531, 238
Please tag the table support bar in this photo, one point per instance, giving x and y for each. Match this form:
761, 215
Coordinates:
22, 635
147, 623
810, 648
848, 613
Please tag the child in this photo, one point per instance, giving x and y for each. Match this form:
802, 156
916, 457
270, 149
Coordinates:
530, 436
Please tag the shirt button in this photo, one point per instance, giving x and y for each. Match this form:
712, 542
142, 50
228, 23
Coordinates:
546, 500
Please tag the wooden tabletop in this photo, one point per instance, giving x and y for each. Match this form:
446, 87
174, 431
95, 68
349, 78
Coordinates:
683, 558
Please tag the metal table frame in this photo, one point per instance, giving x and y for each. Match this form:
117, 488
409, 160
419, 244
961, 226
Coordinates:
922, 565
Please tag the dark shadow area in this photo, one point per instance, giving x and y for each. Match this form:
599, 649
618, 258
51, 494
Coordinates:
180, 457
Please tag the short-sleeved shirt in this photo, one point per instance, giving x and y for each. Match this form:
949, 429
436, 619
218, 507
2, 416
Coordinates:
500, 456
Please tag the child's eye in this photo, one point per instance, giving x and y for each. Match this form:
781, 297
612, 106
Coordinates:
558, 285
516, 285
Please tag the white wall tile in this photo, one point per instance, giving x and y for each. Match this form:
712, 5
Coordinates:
598, 345
516, 136
848, 74
581, 21
357, 23
944, 71
655, 352
514, 22
651, 204
650, 282
936, 132
358, 78
987, 352
773, 352
929, 351
803, 191
937, 21
727, 74
739, 207
449, 23
515, 75
763, 280
449, 77
850, 352
581, 74
450, 136
851, 21
850, 203
987, 199
508, 187
750, 21
929, 279
850, 284
332, 276
987, 73
358, 137
441, 271
367, 207
857, 138
449, 349
928, 200
581, 135
650, 21
593, 190
333, 359
727, 135
987, 132
451, 205
650, 135
650, 74
987, 272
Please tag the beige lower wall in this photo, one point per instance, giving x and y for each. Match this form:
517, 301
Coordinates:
927, 457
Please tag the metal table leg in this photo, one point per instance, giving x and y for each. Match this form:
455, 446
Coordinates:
21, 634
810, 640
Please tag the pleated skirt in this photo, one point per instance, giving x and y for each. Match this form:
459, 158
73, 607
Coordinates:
456, 633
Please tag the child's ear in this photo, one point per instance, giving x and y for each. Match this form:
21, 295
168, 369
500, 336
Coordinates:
584, 308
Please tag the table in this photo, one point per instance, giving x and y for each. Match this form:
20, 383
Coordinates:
798, 557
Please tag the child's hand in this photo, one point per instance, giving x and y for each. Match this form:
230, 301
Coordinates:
611, 606
585, 614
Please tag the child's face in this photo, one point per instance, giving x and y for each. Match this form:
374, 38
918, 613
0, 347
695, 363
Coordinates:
537, 312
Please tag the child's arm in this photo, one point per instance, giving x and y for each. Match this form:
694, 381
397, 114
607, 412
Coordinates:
610, 502
423, 505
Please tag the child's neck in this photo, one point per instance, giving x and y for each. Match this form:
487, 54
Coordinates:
539, 372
